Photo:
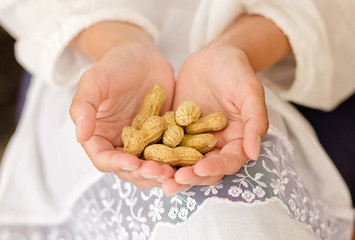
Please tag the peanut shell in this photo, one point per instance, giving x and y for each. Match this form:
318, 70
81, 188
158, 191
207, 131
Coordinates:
151, 132
203, 143
152, 106
180, 156
213, 122
187, 113
174, 133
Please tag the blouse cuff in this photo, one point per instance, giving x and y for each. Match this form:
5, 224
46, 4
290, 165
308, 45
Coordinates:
312, 82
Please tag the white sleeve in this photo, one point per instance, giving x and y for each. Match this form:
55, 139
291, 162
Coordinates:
321, 33
43, 29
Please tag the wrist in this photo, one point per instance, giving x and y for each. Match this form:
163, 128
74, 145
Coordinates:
100, 38
259, 38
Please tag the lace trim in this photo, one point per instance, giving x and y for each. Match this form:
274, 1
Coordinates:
274, 131
114, 209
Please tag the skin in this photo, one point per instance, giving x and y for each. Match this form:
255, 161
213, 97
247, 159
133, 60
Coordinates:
110, 95
128, 65
224, 74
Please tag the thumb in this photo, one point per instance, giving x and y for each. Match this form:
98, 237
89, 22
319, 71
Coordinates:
254, 117
84, 107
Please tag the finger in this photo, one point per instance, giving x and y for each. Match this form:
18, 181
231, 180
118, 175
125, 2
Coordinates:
187, 176
255, 118
170, 187
228, 161
141, 181
167, 172
133, 176
146, 184
150, 169
153, 170
141, 184
85, 105
106, 159
129, 176
136, 179
209, 180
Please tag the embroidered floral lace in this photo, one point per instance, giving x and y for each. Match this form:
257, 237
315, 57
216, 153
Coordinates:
114, 209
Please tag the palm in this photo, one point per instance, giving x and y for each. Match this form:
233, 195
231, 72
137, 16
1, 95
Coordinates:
109, 96
221, 80
126, 84
211, 100
213, 93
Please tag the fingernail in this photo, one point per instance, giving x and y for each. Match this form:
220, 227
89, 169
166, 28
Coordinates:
149, 176
129, 168
161, 179
79, 127
200, 174
186, 182
257, 147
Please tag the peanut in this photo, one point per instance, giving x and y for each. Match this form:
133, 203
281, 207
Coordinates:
174, 133
187, 113
136, 140
201, 142
213, 122
148, 128
180, 156
152, 106
127, 133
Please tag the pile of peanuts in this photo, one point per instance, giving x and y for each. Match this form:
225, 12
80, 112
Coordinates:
175, 139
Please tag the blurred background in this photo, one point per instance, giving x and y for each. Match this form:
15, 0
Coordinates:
10, 81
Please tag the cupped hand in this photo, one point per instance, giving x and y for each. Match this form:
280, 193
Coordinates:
108, 97
221, 79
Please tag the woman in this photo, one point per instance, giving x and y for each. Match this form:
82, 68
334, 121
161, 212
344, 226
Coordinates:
118, 63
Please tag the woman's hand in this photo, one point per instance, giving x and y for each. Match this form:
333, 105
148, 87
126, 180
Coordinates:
110, 94
221, 78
